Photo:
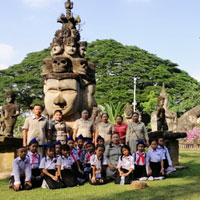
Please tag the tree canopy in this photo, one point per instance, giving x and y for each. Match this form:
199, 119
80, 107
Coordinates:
116, 65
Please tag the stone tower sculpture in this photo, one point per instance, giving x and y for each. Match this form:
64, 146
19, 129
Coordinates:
169, 121
10, 112
69, 79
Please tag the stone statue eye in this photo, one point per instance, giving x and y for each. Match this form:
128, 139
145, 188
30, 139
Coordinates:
63, 61
55, 61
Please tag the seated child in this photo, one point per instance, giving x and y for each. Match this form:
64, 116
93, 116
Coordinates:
79, 148
167, 159
125, 166
76, 166
100, 140
21, 174
58, 149
140, 171
64, 166
86, 163
155, 162
98, 163
34, 158
48, 168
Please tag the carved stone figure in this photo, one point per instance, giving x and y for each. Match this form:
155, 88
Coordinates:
161, 118
69, 79
189, 119
10, 112
170, 116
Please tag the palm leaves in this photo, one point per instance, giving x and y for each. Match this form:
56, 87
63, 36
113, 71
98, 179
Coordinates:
113, 110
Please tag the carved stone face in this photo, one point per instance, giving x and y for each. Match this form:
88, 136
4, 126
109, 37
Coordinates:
82, 49
70, 50
61, 64
61, 95
56, 49
75, 34
80, 66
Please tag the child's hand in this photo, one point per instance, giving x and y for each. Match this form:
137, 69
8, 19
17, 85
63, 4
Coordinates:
93, 180
55, 178
121, 174
17, 187
126, 174
162, 171
80, 171
28, 183
149, 171
170, 165
101, 180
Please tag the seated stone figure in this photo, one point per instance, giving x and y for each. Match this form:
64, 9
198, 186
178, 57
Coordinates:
10, 112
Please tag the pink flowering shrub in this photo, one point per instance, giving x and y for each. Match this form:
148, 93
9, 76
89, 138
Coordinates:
193, 135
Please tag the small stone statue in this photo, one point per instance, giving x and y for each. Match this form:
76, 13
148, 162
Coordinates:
161, 118
10, 112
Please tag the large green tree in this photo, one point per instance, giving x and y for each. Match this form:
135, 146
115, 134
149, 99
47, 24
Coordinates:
116, 65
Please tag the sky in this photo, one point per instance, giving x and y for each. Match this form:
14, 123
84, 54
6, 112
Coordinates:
167, 28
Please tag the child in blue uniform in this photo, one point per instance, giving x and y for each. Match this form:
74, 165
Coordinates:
167, 159
48, 168
86, 163
100, 140
155, 162
76, 166
21, 173
125, 166
34, 157
98, 163
64, 165
140, 171
58, 149
80, 149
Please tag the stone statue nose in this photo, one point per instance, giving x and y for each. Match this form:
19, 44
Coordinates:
60, 101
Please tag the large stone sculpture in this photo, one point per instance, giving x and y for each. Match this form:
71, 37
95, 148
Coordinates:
10, 112
189, 119
170, 116
69, 79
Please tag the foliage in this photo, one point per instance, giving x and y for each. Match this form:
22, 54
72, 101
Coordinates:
116, 65
150, 105
113, 110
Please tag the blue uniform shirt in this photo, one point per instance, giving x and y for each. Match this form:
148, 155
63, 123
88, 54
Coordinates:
34, 160
65, 162
48, 163
81, 153
21, 168
165, 152
154, 156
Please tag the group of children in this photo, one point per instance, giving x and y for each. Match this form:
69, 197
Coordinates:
76, 162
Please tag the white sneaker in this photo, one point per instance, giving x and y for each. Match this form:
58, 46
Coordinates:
44, 184
150, 178
143, 179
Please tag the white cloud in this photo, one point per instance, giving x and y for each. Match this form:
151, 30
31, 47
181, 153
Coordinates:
40, 3
2, 66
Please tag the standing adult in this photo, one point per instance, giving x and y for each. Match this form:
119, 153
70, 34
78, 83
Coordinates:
136, 131
112, 153
121, 128
37, 127
104, 129
84, 126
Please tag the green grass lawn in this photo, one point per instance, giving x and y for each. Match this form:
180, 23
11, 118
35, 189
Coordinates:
184, 184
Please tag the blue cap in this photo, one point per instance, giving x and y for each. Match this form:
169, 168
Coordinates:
89, 142
70, 138
140, 142
99, 137
58, 142
80, 137
47, 144
33, 141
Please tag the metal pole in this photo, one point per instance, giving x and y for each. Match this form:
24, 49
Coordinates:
134, 94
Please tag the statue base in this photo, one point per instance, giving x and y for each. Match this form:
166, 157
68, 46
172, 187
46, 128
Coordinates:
8, 150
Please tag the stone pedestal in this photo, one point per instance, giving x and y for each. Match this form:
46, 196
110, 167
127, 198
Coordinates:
173, 148
8, 147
